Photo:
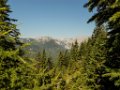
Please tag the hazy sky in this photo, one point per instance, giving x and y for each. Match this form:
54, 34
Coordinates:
55, 18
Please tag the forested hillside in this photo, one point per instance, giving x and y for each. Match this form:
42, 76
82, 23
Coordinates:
92, 65
52, 46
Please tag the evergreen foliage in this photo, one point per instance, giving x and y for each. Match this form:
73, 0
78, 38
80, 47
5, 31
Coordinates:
10, 59
92, 65
108, 14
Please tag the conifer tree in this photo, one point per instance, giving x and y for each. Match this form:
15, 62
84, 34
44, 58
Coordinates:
11, 62
8, 32
108, 13
61, 59
44, 59
74, 51
62, 62
92, 57
97, 56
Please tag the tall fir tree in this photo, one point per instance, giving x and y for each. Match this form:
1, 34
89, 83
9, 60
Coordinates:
92, 57
8, 32
108, 13
11, 63
74, 51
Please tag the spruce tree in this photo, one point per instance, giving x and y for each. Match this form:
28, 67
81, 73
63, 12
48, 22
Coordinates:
108, 14
74, 51
44, 59
60, 60
11, 62
8, 32
97, 56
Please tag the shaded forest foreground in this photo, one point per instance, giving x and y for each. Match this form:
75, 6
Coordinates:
92, 65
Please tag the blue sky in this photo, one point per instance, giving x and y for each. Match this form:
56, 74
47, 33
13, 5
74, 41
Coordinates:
55, 18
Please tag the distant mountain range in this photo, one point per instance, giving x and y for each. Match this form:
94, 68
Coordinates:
51, 45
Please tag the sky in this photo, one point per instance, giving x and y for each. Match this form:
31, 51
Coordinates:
54, 18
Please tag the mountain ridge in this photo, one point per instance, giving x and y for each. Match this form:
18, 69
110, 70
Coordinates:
52, 45
66, 42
